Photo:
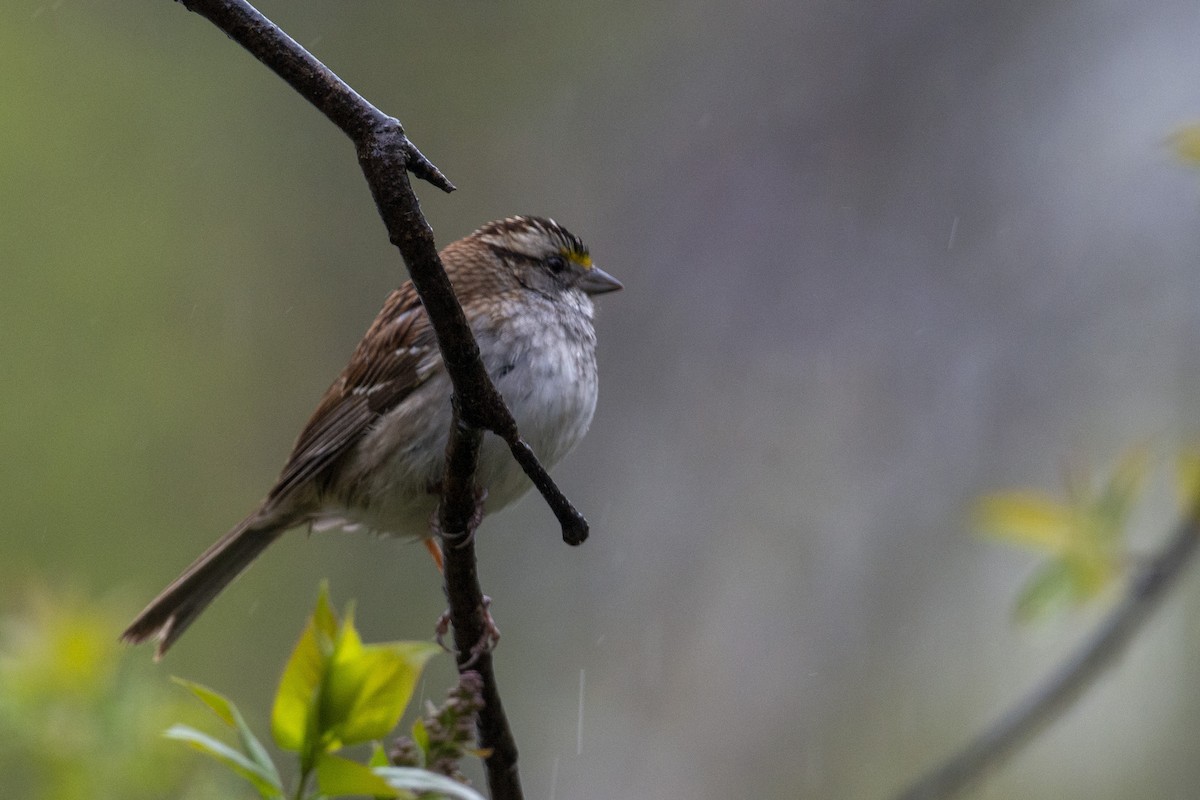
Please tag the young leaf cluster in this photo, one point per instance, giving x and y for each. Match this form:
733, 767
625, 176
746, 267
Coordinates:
335, 692
1084, 536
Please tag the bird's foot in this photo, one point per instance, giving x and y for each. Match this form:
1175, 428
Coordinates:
457, 539
487, 642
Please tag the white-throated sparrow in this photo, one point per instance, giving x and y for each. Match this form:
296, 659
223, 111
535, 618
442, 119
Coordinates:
372, 454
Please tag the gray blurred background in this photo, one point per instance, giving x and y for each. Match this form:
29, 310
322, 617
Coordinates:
880, 258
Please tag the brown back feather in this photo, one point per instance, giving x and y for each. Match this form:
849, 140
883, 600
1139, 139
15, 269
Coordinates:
383, 371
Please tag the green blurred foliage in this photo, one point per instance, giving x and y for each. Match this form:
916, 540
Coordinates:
80, 722
1085, 537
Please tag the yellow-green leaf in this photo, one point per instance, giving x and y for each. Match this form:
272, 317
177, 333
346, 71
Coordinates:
221, 705
1031, 520
342, 679
1185, 141
420, 736
1085, 536
1049, 589
369, 686
324, 617
379, 756
294, 717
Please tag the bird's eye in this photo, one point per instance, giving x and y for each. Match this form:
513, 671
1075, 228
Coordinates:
556, 264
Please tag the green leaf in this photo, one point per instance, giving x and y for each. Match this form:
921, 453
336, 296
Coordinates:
225, 708
379, 756
369, 686
345, 673
419, 780
294, 717
221, 705
1091, 571
1052, 587
324, 617
265, 783
420, 736
339, 776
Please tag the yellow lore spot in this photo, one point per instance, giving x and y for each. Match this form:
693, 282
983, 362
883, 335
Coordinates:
582, 259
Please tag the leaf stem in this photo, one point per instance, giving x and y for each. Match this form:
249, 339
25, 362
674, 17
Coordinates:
305, 772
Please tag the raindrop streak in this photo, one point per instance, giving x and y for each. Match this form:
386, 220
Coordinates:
554, 778
579, 722
953, 232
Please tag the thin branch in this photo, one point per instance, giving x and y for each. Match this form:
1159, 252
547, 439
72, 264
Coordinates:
574, 526
1011, 732
315, 82
468, 607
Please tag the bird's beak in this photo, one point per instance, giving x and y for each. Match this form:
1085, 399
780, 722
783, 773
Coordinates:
597, 281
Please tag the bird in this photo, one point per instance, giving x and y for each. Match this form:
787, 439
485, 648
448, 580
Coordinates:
372, 454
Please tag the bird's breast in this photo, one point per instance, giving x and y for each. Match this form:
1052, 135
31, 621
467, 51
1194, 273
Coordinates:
545, 368
547, 376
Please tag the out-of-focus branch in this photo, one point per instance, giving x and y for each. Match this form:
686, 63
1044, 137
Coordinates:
1019, 726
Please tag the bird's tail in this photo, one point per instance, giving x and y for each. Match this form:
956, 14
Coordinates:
170, 614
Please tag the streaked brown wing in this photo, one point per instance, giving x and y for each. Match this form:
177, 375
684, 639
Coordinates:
384, 370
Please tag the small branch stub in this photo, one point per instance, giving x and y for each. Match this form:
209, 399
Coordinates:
574, 525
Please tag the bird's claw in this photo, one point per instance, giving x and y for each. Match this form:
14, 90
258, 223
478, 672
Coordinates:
487, 642
440, 629
463, 538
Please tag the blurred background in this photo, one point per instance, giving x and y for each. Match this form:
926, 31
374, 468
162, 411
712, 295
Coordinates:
880, 258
